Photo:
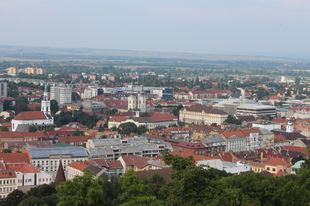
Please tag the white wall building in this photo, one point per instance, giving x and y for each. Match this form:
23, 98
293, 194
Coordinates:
48, 158
62, 95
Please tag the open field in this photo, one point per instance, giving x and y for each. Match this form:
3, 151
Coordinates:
13, 53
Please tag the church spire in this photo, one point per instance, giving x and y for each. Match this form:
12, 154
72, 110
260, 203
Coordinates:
60, 176
45, 103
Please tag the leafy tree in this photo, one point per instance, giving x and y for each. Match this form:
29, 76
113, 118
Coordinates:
101, 128
135, 192
6, 151
20, 104
78, 133
2, 128
32, 128
90, 126
192, 185
7, 105
145, 114
111, 111
54, 106
31, 201
232, 120
14, 198
103, 137
75, 95
82, 190
111, 190
127, 128
113, 129
214, 124
142, 129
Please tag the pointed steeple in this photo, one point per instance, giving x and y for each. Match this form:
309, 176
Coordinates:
60, 176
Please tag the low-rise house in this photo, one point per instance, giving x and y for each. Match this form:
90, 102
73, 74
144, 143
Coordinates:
7, 113
78, 169
116, 167
275, 165
297, 166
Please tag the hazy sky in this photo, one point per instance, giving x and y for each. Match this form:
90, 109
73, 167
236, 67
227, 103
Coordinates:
198, 26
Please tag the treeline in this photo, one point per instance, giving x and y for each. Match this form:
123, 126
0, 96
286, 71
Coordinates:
189, 185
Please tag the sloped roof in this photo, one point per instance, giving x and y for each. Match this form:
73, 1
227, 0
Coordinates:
69, 139
30, 115
95, 170
99, 163
60, 176
138, 161
196, 157
115, 164
79, 165
7, 174
14, 157
164, 172
274, 161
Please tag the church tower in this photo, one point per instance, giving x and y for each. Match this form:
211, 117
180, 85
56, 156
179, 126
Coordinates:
289, 126
131, 102
142, 102
45, 103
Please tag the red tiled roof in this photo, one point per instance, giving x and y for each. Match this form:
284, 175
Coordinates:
30, 115
79, 165
279, 120
296, 149
274, 161
190, 145
138, 161
73, 139
278, 174
117, 119
115, 164
22, 167
14, 157
241, 133
7, 174
274, 98
196, 157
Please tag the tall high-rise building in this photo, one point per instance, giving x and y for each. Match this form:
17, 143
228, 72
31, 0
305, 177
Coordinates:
3, 89
62, 95
39, 71
30, 70
13, 70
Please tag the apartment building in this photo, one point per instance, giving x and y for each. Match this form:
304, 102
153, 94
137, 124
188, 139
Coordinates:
48, 158
62, 95
199, 114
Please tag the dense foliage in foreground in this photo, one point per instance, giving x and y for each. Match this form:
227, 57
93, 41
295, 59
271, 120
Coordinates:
189, 185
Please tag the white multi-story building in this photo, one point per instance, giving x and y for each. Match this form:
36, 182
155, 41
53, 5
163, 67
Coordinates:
48, 158
199, 114
8, 183
62, 95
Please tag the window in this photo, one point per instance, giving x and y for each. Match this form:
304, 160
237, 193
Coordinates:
273, 169
0, 189
40, 180
11, 188
46, 162
46, 169
42, 162
11, 181
268, 168
25, 180
29, 180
